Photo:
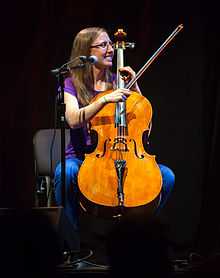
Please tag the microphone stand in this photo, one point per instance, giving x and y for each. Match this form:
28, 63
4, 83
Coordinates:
60, 73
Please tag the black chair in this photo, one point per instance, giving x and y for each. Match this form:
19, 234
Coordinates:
47, 153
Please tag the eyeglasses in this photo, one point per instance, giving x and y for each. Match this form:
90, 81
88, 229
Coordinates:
102, 44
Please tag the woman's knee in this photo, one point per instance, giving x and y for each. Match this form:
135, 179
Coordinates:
168, 177
72, 167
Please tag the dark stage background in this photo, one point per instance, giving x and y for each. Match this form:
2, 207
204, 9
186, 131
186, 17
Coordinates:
182, 86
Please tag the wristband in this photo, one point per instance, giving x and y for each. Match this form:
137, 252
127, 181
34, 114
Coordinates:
105, 99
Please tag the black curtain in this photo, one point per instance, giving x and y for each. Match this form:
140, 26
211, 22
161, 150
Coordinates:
182, 86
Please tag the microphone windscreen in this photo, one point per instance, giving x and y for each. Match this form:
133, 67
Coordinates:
83, 58
92, 59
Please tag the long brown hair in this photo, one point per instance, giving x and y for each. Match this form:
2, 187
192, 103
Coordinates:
83, 78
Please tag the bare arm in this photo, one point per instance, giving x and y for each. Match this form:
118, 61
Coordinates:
76, 117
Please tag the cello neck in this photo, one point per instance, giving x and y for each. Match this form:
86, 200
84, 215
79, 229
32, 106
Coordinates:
120, 64
120, 108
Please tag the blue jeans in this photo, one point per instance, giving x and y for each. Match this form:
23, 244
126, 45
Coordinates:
71, 191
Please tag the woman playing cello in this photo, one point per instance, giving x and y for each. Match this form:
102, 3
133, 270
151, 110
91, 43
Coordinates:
80, 88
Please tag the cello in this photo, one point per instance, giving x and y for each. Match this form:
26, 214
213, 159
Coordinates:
119, 176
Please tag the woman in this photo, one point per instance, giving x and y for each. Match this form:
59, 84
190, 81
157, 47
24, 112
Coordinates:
79, 89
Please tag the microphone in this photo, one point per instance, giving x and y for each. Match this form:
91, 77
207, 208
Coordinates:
90, 59
84, 59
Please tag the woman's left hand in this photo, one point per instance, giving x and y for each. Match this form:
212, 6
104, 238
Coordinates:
127, 73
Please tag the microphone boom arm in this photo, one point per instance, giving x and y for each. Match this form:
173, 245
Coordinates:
84, 59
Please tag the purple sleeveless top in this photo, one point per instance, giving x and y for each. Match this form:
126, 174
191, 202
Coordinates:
80, 140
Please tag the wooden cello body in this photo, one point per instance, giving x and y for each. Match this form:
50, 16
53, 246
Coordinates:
141, 179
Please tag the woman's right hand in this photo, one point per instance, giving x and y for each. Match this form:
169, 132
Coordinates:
116, 96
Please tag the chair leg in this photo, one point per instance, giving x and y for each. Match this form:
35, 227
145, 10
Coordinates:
50, 192
40, 194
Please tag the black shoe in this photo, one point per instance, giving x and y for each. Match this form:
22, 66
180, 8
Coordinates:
86, 265
78, 256
74, 256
